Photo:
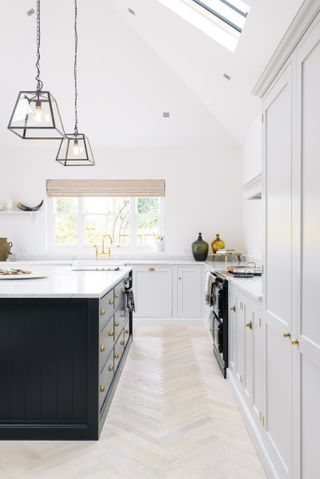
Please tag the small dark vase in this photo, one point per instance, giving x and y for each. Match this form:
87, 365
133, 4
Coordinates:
200, 249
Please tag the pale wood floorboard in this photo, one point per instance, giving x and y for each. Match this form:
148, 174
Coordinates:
173, 417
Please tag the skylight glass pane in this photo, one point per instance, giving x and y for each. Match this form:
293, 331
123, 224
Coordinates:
226, 11
205, 21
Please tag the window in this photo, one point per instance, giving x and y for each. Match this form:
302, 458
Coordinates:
222, 20
132, 223
232, 12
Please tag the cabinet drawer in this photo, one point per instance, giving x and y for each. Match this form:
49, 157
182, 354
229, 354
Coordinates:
120, 318
105, 380
119, 295
118, 351
126, 332
106, 341
106, 308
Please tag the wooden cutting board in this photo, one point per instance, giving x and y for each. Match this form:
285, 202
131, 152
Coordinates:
23, 276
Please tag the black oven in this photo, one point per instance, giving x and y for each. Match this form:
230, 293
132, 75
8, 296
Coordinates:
218, 301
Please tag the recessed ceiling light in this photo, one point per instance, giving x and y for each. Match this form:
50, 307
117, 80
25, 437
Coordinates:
166, 114
226, 76
131, 11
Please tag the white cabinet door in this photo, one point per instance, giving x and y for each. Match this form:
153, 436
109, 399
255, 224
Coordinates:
240, 322
258, 364
306, 322
277, 280
232, 330
153, 291
190, 292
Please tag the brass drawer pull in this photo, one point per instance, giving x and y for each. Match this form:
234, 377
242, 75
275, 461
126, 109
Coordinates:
116, 324
116, 295
111, 301
102, 388
110, 368
111, 333
102, 348
249, 324
122, 342
295, 342
116, 355
287, 335
102, 311
152, 269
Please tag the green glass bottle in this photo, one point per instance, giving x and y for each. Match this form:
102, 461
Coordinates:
200, 249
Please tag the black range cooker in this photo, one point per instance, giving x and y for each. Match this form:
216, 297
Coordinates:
218, 301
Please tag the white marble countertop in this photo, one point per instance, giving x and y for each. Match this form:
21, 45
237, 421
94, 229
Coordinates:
250, 286
61, 282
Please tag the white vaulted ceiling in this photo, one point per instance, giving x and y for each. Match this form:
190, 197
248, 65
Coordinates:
201, 62
133, 68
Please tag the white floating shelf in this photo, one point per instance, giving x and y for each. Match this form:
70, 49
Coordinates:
17, 212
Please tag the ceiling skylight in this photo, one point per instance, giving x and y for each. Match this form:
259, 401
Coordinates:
222, 20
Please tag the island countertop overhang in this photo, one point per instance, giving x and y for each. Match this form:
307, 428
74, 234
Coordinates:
63, 282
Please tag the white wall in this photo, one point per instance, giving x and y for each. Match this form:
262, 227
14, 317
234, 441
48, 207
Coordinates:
201, 195
253, 209
124, 87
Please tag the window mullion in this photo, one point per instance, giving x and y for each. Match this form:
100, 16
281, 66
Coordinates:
80, 223
133, 223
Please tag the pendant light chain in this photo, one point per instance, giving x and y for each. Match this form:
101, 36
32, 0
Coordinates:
39, 82
75, 69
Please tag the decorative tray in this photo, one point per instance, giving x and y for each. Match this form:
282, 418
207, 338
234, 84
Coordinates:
18, 273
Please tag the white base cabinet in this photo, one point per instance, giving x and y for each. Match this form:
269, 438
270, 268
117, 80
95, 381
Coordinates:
246, 355
168, 291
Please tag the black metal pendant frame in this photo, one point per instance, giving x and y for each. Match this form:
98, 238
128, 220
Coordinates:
75, 150
26, 127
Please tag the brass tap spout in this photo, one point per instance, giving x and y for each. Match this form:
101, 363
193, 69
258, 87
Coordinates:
103, 245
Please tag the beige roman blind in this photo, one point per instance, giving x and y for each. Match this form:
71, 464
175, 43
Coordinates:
124, 188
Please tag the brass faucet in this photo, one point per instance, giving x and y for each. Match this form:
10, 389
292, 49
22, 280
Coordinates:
103, 252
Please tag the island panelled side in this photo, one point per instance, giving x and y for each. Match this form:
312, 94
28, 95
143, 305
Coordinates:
60, 361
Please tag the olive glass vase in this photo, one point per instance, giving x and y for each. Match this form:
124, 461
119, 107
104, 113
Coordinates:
200, 249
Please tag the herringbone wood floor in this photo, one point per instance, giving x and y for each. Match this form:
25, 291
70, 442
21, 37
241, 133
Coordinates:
173, 417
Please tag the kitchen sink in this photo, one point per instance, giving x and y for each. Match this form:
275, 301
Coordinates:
97, 266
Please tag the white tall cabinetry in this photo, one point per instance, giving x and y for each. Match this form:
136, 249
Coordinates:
291, 325
306, 282
277, 286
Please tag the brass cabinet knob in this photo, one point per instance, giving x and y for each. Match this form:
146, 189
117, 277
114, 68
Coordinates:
116, 355
249, 324
295, 342
102, 311
287, 335
110, 368
111, 301
152, 269
111, 333
180, 278
102, 388
102, 348
116, 324
233, 308
122, 342
116, 295
127, 331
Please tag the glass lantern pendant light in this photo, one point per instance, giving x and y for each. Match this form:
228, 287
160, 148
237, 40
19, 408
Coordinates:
75, 149
36, 115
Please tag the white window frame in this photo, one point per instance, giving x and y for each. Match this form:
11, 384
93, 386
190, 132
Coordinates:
81, 247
